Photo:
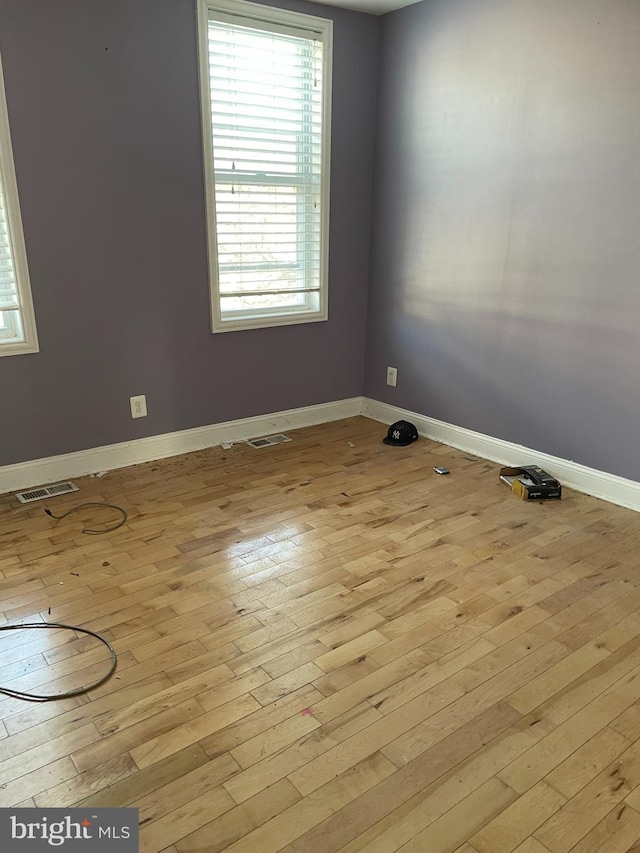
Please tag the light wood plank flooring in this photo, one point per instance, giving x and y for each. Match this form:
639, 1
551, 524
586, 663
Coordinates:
324, 646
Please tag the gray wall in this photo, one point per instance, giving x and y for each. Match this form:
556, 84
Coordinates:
505, 244
505, 254
104, 110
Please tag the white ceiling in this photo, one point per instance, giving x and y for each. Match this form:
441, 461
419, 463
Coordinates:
373, 7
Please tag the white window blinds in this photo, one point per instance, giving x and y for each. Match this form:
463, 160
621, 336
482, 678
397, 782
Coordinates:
10, 326
17, 323
268, 100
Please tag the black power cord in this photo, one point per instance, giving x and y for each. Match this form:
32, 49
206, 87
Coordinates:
34, 697
90, 529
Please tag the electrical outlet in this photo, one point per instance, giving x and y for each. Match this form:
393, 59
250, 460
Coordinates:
392, 376
138, 406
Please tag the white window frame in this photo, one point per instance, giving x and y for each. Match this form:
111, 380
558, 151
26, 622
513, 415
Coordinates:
8, 344
300, 22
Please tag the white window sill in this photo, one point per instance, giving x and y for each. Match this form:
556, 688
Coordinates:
267, 322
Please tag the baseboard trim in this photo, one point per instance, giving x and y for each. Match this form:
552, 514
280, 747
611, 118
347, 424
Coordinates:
38, 472
599, 484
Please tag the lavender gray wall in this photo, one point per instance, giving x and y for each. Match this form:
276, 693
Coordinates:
104, 110
505, 249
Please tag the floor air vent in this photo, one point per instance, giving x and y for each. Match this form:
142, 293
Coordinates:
268, 440
46, 492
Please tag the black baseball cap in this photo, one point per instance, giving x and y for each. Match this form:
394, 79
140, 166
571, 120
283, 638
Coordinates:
400, 434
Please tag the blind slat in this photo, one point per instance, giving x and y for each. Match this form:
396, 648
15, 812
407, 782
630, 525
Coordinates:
285, 292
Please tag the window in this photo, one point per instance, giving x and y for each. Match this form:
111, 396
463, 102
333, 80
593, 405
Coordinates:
266, 89
17, 324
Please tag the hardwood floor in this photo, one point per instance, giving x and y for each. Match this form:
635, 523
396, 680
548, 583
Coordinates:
324, 646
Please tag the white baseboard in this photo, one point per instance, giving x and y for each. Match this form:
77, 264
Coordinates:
609, 487
38, 472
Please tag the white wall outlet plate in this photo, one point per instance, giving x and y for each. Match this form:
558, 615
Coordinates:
392, 376
138, 406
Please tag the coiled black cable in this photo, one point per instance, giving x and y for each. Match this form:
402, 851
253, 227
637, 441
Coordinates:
89, 529
34, 697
